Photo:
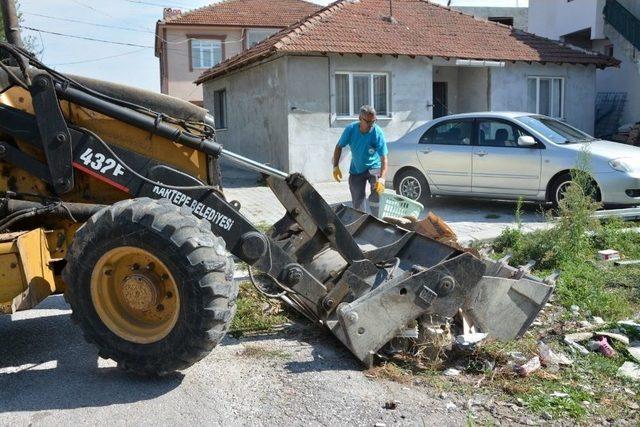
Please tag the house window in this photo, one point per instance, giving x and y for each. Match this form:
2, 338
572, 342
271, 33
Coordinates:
545, 95
353, 90
220, 108
256, 36
205, 53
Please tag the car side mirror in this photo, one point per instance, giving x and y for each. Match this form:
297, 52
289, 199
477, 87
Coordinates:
526, 141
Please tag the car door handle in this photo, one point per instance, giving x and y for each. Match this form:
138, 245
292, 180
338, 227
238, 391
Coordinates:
480, 153
426, 151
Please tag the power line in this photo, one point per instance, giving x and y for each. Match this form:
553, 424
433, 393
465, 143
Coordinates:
93, 8
88, 23
100, 59
85, 38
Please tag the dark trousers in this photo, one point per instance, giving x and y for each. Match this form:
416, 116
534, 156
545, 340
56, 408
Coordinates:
357, 186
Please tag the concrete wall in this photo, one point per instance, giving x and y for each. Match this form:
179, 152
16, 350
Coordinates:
520, 15
256, 112
472, 89
180, 79
555, 18
313, 128
625, 78
509, 90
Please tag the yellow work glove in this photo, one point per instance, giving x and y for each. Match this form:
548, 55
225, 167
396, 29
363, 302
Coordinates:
379, 186
337, 175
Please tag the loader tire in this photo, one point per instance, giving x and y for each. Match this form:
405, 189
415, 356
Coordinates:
150, 286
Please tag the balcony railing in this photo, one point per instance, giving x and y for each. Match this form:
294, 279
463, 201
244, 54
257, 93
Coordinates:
623, 21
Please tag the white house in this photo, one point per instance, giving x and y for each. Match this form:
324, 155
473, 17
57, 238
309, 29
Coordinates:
288, 98
611, 27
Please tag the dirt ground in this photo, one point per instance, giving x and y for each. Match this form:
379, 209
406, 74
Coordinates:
301, 376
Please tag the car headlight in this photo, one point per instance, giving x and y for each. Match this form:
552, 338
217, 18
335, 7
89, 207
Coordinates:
625, 164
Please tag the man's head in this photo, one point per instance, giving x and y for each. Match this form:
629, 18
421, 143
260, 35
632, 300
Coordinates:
367, 118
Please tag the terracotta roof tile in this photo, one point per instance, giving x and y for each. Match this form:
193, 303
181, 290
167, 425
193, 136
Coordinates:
421, 28
247, 13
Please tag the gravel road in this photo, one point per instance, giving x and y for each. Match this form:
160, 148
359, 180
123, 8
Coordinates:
50, 376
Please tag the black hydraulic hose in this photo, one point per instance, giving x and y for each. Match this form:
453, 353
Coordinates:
79, 212
137, 119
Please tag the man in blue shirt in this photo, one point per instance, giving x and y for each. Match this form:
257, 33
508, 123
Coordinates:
368, 158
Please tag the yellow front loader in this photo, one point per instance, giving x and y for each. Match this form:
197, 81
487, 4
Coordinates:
112, 196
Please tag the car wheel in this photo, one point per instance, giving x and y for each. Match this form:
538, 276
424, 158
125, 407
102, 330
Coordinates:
560, 187
412, 184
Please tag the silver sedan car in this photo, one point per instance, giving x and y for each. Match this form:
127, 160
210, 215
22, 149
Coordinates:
508, 155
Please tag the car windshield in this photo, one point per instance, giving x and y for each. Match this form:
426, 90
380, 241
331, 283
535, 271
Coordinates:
555, 130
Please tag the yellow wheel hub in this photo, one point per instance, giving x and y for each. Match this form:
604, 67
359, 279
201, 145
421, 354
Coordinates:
135, 295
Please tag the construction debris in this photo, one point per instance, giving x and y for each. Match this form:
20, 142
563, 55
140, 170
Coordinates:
469, 341
634, 352
579, 336
618, 337
574, 346
608, 255
451, 372
550, 358
629, 370
530, 367
605, 348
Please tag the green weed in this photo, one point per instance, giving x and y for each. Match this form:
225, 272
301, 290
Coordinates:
570, 246
255, 313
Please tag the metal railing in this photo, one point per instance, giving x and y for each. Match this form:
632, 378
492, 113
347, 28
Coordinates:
623, 21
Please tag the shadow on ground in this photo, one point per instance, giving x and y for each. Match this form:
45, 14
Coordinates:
46, 364
327, 352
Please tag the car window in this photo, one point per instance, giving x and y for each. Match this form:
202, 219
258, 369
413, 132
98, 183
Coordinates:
497, 133
555, 130
453, 132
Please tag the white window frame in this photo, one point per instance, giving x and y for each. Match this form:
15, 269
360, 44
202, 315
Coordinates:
552, 78
205, 49
354, 111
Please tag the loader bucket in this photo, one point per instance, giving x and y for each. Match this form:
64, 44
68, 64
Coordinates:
406, 275
507, 300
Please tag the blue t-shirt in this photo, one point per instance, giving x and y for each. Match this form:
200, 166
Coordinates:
366, 148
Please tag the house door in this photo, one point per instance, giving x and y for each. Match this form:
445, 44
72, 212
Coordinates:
440, 103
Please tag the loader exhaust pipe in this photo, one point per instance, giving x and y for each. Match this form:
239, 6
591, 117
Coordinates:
11, 23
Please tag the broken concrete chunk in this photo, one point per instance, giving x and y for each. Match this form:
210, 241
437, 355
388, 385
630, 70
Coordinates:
451, 372
517, 357
630, 324
576, 347
618, 337
579, 336
470, 340
598, 320
635, 353
451, 406
629, 370
548, 357
530, 367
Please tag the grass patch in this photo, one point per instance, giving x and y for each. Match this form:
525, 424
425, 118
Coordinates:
263, 227
570, 246
258, 352
255, 313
